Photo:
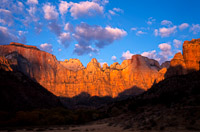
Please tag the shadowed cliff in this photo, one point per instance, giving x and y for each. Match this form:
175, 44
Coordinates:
19, 92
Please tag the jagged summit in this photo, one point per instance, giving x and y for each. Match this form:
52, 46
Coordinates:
72, 64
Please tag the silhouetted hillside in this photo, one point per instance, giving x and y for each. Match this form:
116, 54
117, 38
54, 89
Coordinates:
18, 92
174, 103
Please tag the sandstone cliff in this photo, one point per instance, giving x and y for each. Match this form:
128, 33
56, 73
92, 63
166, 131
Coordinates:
191, 54
70, 78
188, 61
4, 64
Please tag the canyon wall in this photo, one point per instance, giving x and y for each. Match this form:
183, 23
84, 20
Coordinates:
191, 54
70, 78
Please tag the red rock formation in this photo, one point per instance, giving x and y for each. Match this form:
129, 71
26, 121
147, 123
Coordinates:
191, 54
189, 61
177, 66
70, 78
5, 64
72, 64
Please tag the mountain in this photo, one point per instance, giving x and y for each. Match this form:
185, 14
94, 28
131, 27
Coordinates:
187, 62
19, 92
171, 105
70, 78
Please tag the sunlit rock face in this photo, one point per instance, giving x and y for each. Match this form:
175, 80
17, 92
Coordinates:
70, 78
5, 64
177, 66
188, 62
191, 54
72, 64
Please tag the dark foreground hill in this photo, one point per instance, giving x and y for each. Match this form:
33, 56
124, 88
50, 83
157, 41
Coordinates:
18, 92
172, 104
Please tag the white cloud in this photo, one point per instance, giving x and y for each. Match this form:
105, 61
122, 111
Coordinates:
55, 28
195, 28
114, 11
50, 12
140, 33
114, 58
5, 11
102, 63
151, 20
6, 17
156, 33
166, 32
151, 54
46, 47
2, 21
32, 1
166, 23
133, 29
32, 12
64, 39
165, 52
7, 36
165, 46
102, 2
115, 33
183, 26
38, 27
118, 10
127, 55
64, 6
69, 27
85, 8
87, 35
80, 50
177, 43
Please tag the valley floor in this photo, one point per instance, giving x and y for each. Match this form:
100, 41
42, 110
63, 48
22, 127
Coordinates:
94, 127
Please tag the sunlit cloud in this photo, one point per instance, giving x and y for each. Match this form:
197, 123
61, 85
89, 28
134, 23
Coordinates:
50, 11
166, 23
177, 43
138, 33
85, 8
114, 58
151, 20
127, 55
32, 1
46, 47
195, 28
81, 50
165, 32
183, 26
87, 35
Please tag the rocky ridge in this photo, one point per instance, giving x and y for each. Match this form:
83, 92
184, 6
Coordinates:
70, 78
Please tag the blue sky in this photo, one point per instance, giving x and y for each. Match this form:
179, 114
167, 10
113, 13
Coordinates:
109, 30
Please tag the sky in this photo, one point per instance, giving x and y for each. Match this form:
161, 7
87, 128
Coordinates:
108, 30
